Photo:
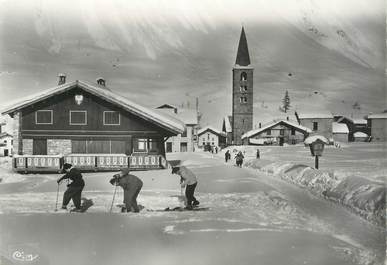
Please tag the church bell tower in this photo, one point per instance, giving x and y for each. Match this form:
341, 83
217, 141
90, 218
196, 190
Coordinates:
242, 92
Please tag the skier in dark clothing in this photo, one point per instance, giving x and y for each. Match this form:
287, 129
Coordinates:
74, 189
239, 159
258, 154
131, 185
227, 156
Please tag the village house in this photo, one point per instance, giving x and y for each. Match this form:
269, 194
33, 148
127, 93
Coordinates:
209, 136
184, 142
6, 141
378, 126
90, 126
360, 137
227, 129
277, 133
319, 122
354, 125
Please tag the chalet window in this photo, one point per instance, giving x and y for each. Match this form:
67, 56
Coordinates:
140, 145
315, 126
78, 117
243, 76
111, 118
282, 132
243, 100
293, 132
153, 145
43, 117
184, 134
268, 132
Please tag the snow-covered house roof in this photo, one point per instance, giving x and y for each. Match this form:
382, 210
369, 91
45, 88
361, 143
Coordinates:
210, 128
314, 115
339, 127
275, 123
378, 116
227, 124
167, 106
188, 116
5, 134
359, 121
360, 135
167, 122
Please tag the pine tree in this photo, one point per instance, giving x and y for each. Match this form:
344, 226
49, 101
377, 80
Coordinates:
286, 102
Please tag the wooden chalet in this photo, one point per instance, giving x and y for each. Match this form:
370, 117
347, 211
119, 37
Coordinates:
90, 126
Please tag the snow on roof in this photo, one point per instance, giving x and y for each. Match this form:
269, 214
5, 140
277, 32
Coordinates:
378, 116
167, 106
5, 134
188, 116
359, 121
339, 127
360, 134
315, 115
313, 138
272, 124
227, 124
167, 122
203, 130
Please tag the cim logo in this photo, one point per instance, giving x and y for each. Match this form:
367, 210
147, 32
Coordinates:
24, 257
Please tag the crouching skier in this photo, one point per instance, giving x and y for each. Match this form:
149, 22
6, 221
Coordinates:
74, 189
189, 181
131, 185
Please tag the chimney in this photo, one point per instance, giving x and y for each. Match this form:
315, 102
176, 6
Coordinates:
260, 125
101, 81
287, 118
62, 79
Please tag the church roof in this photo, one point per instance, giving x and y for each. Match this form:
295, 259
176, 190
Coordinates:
243, 57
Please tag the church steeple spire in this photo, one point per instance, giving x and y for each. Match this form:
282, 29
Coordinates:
243, 57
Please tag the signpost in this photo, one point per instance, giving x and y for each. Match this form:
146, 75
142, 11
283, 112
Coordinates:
316, 144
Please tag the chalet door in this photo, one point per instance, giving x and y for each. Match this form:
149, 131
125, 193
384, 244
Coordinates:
39, 147
183, 147
281, 141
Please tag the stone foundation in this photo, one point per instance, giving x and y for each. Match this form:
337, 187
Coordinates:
58, 146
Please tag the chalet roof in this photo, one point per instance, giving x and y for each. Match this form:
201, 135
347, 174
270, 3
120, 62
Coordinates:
243, 57
188, 116
167, 106
210, 128
378, 116
272, 124
167, 122
339, 127
227, 124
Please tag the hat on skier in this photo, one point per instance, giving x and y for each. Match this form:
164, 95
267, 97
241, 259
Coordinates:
175, 169
66, 166
125, 171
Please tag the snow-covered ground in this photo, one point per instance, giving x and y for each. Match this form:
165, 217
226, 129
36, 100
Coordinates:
253, 219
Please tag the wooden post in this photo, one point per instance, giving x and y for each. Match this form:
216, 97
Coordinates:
316, 162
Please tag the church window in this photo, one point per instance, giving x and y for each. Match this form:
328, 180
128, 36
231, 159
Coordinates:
243, 99
243, 76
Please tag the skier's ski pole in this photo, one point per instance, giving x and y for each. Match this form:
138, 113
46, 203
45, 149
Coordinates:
114, 195
57, 196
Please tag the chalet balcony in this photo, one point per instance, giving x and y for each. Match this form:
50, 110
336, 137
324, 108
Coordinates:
88, 162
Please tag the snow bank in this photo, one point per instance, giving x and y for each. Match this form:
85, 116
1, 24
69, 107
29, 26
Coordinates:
361, 195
